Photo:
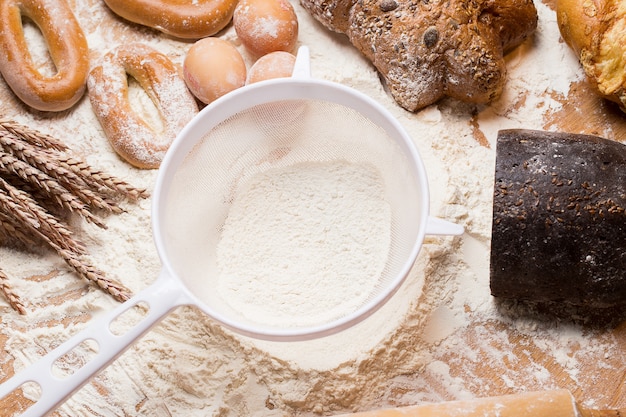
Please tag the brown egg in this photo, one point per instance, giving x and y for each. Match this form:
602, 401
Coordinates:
277, 64
212, 68
265, 26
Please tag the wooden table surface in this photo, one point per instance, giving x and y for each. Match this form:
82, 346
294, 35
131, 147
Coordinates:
483, 374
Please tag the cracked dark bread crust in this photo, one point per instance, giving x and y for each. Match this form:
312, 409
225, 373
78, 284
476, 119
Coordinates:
429, 49
596, 31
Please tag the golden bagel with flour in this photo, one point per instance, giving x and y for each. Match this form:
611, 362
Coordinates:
141, 144
67, 46
185, 19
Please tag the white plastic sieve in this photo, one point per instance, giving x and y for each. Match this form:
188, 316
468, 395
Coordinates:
259, 129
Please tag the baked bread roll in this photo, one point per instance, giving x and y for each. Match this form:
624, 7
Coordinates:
559, 219
426, 50
596, 31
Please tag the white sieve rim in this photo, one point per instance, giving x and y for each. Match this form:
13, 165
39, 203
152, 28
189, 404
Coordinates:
266, 92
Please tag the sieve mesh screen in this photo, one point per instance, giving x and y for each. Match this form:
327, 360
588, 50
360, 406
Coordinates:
263, 139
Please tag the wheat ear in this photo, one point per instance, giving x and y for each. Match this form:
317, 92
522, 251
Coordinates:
47, 162
32, 136
82, 170
50, 186
91, 273
70, 251
97, 177
36, 173
70, 255
7, 291
26, 210
13, 229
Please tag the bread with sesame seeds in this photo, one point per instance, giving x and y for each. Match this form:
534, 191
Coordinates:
428, 49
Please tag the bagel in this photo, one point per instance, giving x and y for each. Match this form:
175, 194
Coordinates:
129, 134
67, 46
185, 19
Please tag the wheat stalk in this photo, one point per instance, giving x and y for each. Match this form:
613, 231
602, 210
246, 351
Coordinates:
10, 231
91, 273
14, 300
61, 242
26, 210
16, 137
97, 177
48, 163
32, 136
36, 174
14, 230
50, 186
70, 255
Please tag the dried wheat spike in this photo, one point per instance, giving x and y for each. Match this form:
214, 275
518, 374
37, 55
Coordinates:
15, 231
36, 175
82, 169
32, 136
72, 258
48, 163
94, 176
50, 186
14, 300
89, 272
19, 204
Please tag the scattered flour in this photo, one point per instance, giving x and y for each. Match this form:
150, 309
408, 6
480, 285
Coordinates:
305, 244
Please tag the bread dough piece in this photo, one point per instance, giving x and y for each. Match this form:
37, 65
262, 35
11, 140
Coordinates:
212, 68
559, 219
277, 64
266, 26
426, 50
596, 31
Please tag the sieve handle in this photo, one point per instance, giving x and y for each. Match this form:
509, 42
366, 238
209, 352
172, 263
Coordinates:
437, 226
302, 67
161, 297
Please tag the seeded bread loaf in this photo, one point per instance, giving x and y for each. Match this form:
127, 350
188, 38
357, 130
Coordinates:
426, 50
559, 219
596, 31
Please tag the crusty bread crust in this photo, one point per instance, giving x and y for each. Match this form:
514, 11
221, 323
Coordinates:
596, 31
426, 50
578, 24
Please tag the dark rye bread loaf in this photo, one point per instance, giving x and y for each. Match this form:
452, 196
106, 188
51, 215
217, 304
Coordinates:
428, 49
559, 219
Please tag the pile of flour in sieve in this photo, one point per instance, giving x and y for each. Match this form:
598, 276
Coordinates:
304, 244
